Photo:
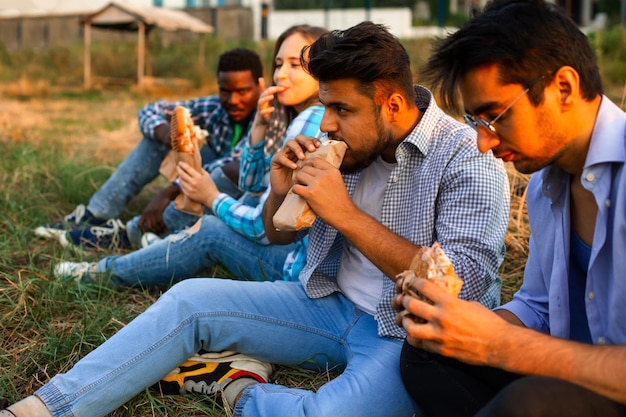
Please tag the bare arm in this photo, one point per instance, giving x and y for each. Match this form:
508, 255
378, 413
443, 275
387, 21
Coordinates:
264, 112
151, 219
162, 134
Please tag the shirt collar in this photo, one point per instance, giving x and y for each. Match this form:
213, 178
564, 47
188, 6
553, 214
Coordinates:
431, 113
607, 138
606, 146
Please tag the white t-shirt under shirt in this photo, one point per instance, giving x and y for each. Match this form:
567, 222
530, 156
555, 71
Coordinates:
359, 279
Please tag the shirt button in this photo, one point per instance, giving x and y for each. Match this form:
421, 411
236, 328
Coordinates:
607, 202
590, 177
591, 295
394, 179
601, 340
386, 224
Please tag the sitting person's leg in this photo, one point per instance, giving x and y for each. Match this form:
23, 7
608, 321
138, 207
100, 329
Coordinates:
139, 168
539, 396
206, 244
175, 220
274, 322
369, 386
446, 387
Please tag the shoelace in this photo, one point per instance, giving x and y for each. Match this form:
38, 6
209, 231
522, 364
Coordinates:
77, 215
111, 227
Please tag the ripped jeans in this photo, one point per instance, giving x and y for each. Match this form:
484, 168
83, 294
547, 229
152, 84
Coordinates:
188, 253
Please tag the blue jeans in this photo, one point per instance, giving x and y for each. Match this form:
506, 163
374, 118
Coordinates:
271, 321
138, 169
176, 220
190, 252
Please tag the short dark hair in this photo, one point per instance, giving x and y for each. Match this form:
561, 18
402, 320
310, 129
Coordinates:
526, 39
367, 53
241, 59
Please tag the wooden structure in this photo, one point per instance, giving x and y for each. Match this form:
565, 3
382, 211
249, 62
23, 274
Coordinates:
126, 17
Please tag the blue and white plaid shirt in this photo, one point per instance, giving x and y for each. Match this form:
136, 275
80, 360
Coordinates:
248, 220
208, 114
255, 162
442, 189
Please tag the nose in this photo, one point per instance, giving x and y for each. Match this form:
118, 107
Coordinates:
486, 140
281, 72
327, 124
234, 98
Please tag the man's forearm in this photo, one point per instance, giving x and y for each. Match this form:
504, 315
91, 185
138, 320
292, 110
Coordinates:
390, 253
599, 368
162, 133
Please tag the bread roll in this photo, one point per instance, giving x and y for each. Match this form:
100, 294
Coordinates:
433, 264
185, 148
182, 132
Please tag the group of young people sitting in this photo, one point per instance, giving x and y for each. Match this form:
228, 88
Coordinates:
334, 294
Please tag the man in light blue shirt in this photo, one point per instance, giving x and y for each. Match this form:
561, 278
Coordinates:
532, 90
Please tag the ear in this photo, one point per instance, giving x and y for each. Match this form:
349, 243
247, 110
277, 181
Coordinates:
567, 81
394, 107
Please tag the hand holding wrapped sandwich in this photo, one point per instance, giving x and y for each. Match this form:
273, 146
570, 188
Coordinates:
185, 148
431, 272
295, 212
437, 320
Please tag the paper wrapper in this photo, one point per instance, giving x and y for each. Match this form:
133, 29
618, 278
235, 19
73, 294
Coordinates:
182, 202
294, 213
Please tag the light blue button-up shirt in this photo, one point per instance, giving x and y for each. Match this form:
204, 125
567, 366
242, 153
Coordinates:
542, 302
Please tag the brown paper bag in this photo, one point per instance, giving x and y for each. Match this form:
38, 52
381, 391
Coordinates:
294, 213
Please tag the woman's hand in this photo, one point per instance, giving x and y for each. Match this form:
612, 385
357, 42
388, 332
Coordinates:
197, 185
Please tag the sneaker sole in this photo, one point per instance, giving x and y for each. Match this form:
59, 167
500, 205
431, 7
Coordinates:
48, 232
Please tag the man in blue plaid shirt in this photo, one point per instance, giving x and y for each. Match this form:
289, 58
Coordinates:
227, 118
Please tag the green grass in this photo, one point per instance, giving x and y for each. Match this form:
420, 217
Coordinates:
45, 325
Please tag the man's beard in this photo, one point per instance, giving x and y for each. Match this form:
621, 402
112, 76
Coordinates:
364, 158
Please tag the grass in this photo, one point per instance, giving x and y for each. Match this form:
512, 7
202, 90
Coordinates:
56, 153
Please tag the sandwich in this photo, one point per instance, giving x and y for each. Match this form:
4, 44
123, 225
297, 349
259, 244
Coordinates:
184, 142
432, 264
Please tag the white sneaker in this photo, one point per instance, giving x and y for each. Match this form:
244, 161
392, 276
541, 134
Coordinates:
72, 270
149, 238
81, 217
